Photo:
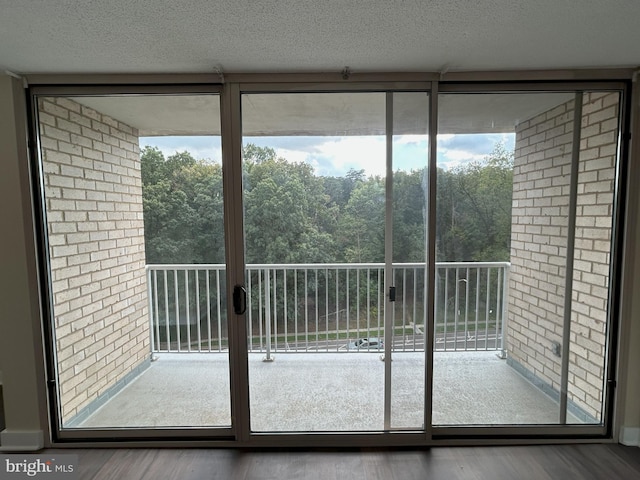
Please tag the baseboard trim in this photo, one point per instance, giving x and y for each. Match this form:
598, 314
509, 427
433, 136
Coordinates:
21, 440
630, 436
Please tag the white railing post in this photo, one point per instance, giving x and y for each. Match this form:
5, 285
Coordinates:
505, 312
187, 303
177, 298
152, 343
267, 316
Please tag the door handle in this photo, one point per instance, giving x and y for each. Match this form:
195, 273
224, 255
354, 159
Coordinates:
239, 299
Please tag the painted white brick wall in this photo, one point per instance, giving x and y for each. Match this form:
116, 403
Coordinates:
96, 234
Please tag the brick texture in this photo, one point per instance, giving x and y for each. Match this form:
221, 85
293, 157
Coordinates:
93, 194
539, 245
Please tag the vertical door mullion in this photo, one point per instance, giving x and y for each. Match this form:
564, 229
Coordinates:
234, 248
430, 270
388, 261
571, 239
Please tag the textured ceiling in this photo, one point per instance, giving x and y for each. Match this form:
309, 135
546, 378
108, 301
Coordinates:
155, 36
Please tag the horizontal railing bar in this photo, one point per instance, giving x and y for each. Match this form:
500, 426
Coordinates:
310, 266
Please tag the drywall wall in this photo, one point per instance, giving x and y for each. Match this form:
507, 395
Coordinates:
20, 358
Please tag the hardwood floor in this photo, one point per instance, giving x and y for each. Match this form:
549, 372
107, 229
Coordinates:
447, 463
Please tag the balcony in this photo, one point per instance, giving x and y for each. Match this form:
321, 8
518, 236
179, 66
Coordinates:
303, 318
470, 388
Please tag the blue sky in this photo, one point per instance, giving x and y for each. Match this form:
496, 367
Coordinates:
336, 155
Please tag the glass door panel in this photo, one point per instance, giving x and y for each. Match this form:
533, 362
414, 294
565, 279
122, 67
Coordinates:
134, 222
410, 152
524, 215
314, 208
593, 251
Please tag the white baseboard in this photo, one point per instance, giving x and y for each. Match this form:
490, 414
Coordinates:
21, 440
630, 436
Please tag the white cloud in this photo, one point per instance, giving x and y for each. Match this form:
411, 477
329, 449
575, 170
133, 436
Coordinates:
451, 158
359, 153
456, 150
296, 156
411, 140
201, 148
336, 155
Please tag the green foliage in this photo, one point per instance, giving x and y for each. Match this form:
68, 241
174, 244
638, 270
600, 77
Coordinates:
409, 213
251, 153
474, 210
288, 216
182, 202
294, 216
361, 227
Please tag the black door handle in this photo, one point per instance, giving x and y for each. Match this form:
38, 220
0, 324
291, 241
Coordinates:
239, 299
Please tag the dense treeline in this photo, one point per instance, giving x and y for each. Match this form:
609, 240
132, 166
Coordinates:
295, 216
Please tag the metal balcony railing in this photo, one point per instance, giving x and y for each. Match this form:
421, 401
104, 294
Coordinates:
326, 307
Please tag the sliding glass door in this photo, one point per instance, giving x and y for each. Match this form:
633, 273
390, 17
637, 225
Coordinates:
524, 236
404, 261
326, 177
133, 212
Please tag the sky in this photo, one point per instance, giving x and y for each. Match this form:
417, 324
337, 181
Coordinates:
335, 156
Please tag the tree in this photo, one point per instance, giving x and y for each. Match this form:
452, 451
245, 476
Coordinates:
361, 225
182, 203
409, 208
293, 215
487, 190
474, 209
251, 153
288, 217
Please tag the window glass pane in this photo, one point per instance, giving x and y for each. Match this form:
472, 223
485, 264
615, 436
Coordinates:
503, 240
133, 194
410, 164
314, 209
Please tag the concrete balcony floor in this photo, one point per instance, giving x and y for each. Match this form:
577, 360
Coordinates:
328, 392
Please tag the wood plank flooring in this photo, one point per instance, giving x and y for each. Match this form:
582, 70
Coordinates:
602, 461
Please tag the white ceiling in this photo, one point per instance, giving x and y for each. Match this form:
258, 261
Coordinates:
157, 36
